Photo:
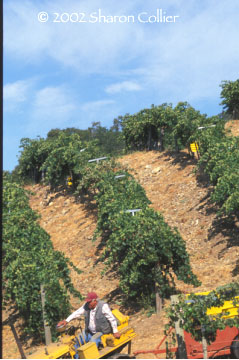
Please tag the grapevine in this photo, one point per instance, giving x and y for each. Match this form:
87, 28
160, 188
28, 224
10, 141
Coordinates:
30, 261
192, 312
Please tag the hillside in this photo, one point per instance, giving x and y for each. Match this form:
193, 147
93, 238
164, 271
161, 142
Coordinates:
181, 197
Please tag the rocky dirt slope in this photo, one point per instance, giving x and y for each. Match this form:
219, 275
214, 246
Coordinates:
182, 198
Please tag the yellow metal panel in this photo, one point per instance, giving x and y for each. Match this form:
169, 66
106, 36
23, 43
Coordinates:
226, 307
109, 349
122, 319
124, 336
55, 351
194, 147
88, 351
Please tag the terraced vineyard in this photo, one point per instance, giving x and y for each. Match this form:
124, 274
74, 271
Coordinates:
181, 197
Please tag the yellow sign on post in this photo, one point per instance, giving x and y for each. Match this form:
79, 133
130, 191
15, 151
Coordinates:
69, 181
194, 147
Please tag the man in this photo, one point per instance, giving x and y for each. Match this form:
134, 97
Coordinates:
99, 319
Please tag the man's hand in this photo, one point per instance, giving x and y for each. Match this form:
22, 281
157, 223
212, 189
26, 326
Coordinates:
117, 335
62, 323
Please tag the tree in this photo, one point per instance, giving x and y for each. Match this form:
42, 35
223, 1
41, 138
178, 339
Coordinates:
188, 120
117, 124
146, 128
230, 96
33, 154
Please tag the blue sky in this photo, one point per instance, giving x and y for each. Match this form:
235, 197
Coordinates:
67, 73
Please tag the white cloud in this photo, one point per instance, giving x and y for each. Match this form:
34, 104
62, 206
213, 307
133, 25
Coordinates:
24, 36
52, 107
122, 87
87, 47
96, 105
53, 102
16, 93
191, 58
205, 30
188, 58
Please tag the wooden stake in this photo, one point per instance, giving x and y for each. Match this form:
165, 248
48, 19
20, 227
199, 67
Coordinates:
19, 345
129, 348
47, 328
204, 347
182, 352
159, 301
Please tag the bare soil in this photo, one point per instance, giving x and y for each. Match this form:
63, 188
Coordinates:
183, 199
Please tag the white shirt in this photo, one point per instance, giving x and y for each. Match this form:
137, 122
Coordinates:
105, 311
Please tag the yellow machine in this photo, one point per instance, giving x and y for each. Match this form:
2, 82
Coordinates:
228, 308
64, 348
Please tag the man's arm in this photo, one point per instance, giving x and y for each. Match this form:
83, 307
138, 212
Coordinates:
109, 316
76, 314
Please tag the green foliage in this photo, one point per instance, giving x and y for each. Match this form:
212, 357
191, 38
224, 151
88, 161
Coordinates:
230, 96
193, 317
172, 128
34, 153
148, 127
220, 161
91, 174
64, 160
109, 140
55, 158
141, 248
145, 252
188, 120
29, 260
208, 133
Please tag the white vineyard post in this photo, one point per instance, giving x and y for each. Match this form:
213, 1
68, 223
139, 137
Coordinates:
47, 328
